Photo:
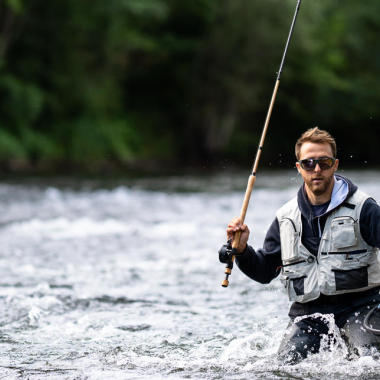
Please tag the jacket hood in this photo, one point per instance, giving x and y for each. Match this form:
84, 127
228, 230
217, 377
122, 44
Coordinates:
343, 189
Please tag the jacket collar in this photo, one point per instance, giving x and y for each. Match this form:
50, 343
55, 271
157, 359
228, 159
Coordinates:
343, 189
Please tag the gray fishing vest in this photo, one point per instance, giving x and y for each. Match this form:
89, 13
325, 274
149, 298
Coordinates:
345, 262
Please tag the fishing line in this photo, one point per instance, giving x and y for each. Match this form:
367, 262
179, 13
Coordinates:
366, 321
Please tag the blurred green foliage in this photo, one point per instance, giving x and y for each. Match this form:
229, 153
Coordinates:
142, 82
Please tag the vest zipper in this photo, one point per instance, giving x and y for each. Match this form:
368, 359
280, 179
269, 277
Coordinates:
357, 252
297, 262
319, 228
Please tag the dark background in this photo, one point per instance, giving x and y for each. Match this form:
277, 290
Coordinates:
152, 85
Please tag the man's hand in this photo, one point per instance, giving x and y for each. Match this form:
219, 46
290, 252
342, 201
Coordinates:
234, 226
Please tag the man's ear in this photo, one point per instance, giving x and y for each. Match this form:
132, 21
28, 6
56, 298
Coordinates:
336, 164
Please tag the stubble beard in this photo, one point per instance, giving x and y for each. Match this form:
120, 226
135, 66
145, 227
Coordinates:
321, 188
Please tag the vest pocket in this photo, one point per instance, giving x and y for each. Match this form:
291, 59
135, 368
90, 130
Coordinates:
289, 241
295, 286
299, 285
343, 232
351, 279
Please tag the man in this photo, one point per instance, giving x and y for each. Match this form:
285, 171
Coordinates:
325, 242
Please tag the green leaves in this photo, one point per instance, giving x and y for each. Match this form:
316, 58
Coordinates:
15, 5
10, 146
190, 80
22, 102
156, 9
92, 139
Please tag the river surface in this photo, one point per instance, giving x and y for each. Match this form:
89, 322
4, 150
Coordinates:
122, 281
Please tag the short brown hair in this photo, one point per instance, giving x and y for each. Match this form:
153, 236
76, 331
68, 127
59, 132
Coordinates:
318, 136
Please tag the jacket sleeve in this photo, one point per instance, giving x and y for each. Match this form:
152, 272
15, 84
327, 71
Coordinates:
264, 264
370, 222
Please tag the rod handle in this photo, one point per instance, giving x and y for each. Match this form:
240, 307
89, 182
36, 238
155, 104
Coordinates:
244, 207
227, 272
236, 240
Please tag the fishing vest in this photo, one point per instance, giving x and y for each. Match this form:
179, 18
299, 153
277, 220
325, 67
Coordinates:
345, 263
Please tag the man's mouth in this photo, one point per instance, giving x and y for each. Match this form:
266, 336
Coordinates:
317, 179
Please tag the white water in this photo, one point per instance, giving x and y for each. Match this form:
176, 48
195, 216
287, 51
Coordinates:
124, 283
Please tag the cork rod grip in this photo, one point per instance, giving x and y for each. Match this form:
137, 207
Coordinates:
243, 212
236, 240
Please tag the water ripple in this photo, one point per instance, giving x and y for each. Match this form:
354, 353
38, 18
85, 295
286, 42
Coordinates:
124, 282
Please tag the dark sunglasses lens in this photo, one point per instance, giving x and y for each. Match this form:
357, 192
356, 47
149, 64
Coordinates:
308, 164
325, 163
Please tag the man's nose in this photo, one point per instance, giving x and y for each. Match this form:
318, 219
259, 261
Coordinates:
317, 168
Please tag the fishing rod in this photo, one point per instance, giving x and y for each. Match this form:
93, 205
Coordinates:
252, 178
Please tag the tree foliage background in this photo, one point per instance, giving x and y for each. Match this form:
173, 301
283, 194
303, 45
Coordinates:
147, 83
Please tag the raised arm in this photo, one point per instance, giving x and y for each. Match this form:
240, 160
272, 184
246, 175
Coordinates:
262, 265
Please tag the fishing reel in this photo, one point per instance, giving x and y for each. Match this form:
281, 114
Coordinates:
227, 255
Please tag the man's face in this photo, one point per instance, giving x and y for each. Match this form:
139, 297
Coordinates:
317, 180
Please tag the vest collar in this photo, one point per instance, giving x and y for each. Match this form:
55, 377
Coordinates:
343, 189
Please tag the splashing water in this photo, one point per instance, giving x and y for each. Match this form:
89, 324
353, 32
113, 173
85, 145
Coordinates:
125, 283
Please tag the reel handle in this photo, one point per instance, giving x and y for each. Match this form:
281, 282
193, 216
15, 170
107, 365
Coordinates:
230, 265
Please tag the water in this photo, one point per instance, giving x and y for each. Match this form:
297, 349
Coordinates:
122, 282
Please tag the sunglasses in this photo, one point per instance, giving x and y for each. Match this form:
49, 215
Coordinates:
324, 163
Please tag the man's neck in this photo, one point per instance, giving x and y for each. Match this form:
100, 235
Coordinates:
322, 198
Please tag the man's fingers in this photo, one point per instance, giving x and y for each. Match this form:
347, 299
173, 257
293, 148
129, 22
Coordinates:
244, 228
234, 226
235, 221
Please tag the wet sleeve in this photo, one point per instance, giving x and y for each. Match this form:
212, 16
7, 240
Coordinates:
264, 264
370, 222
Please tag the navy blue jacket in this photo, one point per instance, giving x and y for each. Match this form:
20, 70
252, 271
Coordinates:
264, 264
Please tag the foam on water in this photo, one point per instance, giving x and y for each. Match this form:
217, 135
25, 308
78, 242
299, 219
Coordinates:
62, 228
125, 283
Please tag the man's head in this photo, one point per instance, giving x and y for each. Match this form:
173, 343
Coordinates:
316, 161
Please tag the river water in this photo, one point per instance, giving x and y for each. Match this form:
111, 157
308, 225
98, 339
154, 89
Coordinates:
122, 281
